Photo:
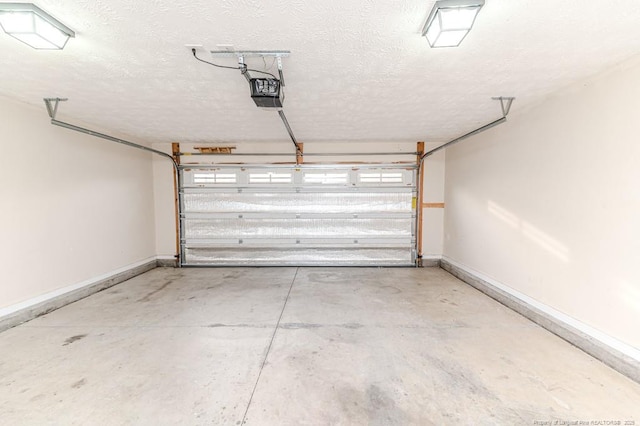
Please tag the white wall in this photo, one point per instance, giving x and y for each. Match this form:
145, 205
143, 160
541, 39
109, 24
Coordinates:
433, 192
548, 204
74, 207
433, 189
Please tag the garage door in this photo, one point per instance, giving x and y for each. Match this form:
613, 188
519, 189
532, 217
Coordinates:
298, 215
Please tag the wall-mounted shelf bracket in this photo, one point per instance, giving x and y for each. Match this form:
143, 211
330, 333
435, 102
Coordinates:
505, 103
52, 110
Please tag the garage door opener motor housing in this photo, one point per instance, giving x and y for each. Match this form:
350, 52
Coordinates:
266, 92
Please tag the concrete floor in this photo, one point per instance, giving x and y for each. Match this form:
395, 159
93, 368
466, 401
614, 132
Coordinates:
353, 346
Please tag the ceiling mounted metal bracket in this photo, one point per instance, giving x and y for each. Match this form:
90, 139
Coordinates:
243, 68
53, 110
505, 103
280, 74
250, 53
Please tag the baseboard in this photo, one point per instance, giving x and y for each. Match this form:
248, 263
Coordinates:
167, 262
429, 262
614, 353
33, 308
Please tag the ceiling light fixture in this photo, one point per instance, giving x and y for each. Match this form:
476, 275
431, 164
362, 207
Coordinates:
450, 21
33, 26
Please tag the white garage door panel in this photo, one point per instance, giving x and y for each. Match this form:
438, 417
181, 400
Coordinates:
298, 216
295, 227
211, 200
294, 256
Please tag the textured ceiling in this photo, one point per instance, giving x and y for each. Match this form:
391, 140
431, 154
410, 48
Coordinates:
359, 69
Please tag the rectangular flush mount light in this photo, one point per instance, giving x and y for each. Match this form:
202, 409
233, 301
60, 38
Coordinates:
450, 21
33, 26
